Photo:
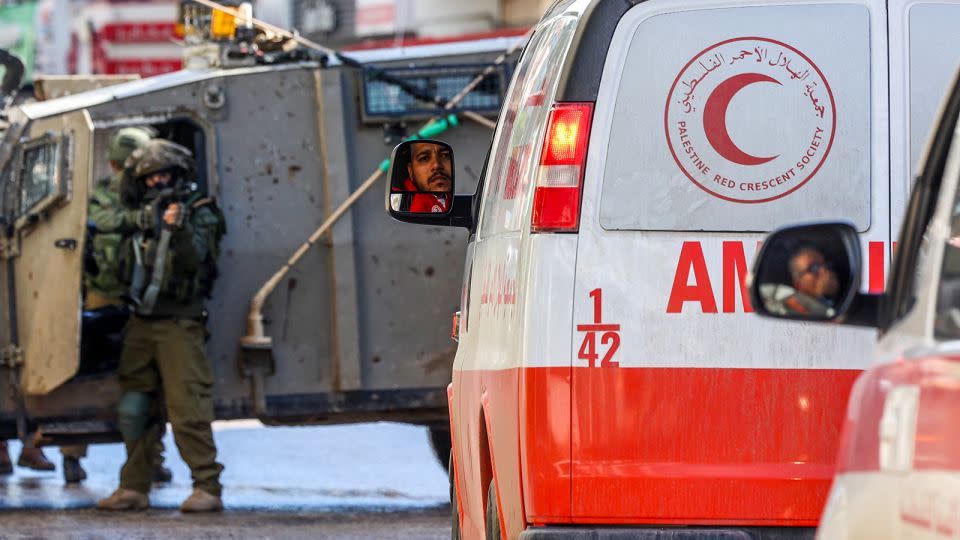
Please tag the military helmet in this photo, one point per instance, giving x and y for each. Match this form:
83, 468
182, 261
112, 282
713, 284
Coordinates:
125, 141
161, 155
157, 155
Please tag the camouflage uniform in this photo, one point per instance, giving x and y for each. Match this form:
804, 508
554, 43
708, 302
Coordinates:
164, 347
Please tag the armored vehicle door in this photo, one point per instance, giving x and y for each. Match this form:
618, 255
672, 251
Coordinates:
46, 203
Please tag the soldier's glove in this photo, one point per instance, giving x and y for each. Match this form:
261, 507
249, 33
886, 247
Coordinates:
173, 216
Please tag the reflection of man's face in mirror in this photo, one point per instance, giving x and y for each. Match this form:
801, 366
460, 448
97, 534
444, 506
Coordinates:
812, 275
430, 167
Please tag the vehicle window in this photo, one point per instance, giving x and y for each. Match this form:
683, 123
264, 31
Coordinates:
946, 324
517, 144
719, 132
386, 102
38, 174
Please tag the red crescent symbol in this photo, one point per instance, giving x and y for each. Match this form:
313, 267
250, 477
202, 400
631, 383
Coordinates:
715, 118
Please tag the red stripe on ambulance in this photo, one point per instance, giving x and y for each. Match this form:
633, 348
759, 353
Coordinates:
693, 447
706, 446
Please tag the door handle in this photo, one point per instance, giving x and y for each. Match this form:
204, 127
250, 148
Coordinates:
69, 244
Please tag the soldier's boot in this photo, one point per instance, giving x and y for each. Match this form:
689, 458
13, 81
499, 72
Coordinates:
6, 466
33, 458
72, 470
124, 499
201, 501
161, 475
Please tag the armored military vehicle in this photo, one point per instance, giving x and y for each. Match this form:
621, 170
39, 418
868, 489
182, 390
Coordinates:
281, 140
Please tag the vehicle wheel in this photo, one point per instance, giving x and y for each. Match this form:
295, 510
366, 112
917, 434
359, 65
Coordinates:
493, 516
454, 504
440, 441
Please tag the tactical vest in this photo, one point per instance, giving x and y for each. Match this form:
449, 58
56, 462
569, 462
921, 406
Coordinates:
106, 277
179, 285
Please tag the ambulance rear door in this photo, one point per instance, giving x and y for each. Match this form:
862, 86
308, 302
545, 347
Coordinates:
46, 201
755, 115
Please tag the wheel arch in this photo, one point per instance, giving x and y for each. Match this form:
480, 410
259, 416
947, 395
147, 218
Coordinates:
453, 456
488, 465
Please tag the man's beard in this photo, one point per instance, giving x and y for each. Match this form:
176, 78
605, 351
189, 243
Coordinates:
439, 177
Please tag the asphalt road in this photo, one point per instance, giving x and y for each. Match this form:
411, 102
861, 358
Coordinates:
363, 481
163, 524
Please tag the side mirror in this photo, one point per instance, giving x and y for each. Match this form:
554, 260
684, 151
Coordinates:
421, 179
808, 273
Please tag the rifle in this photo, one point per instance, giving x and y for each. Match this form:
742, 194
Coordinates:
179, 193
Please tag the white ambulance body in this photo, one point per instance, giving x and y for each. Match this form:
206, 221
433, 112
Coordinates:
609, 378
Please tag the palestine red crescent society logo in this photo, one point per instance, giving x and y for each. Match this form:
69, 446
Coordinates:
696, 120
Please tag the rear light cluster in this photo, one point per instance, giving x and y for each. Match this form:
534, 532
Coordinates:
556, 201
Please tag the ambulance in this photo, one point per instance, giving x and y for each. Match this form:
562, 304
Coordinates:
898, 472
610, 380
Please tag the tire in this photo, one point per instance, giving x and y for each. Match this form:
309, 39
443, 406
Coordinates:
493, 516
454, 504
440, 441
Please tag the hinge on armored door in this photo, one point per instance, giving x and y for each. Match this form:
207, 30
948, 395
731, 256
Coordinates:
11, 356
9, 246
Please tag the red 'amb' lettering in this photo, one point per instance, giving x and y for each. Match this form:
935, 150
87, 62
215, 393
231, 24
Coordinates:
735, 274
691, 259
734, 267
701, 290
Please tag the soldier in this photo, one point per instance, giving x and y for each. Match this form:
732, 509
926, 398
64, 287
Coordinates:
105, 290
173, 273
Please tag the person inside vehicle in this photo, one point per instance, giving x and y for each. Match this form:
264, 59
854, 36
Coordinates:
105, 302
163, 350
429, 178
815, 283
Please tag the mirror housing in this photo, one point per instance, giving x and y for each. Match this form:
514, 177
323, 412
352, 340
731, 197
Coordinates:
418, 193
812, 273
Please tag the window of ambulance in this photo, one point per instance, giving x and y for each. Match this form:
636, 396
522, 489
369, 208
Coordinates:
933, 59
731, 129
515, 156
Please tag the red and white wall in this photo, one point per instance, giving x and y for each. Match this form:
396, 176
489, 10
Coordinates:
121, 38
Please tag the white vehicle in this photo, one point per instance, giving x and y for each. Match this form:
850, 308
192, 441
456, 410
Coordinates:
609, 378
898, 471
